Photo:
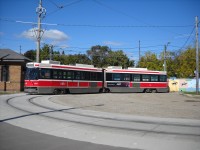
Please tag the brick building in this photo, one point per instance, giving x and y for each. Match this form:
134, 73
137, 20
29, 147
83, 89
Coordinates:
12, 70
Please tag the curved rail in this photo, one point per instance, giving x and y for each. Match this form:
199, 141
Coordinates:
32, 107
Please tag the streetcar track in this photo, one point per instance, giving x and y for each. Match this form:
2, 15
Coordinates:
67, 110
30, 100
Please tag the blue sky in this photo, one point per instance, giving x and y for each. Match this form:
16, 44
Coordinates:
76, 25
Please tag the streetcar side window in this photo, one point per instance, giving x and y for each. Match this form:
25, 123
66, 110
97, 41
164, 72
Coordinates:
125, 77
70, 75
108, 76
136, 77
116, 77
60, 74
163, 78
99, 76
154, 78
93, 76
57, 74
85, 75
45, 74
31, 74
67, 75
64, 75
145, 77
77, 75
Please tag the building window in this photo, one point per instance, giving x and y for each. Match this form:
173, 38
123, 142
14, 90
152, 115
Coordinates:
5, 73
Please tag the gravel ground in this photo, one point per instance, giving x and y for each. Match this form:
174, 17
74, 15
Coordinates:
167, 105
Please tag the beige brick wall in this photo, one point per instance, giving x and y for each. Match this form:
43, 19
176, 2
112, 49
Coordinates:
14, 83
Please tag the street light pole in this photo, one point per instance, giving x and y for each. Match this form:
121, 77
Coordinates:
197, 57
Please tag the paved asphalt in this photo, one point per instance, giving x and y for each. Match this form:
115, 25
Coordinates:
16, 138
36, 122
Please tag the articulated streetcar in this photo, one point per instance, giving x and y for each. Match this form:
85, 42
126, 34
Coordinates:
49, 77
135, 80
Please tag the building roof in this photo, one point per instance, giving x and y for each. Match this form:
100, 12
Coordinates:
8, 55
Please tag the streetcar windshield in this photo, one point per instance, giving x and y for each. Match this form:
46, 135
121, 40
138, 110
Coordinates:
31, 74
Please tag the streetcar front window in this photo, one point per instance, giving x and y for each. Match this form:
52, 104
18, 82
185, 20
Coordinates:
31, 74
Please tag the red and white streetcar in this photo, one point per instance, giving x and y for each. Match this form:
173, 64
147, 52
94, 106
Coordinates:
49, 77
135, 80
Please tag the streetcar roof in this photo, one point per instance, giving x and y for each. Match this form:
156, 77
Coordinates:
135, 71
56, 65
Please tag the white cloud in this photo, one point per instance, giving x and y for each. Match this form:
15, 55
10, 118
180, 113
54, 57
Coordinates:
52, 34
55, 35
112, 43
29, 34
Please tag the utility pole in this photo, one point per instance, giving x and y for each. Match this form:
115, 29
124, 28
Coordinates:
51, 52
41, 14
20, 49
197, 56
165, 58
139, 54
165, 47
139, 50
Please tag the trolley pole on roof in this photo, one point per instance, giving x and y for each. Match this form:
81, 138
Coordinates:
197, 56
41, 14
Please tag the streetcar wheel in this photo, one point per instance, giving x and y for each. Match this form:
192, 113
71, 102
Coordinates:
107, 90
154, 91
56, 91
101, 91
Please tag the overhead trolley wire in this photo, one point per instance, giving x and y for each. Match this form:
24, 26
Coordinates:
187, 39
59, 7
100, 26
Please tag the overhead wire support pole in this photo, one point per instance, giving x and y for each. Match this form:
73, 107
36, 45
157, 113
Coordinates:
41, 14
165, 48
197, 56
165, 57
139, 54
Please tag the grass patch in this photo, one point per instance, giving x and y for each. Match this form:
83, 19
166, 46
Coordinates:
8, 92
192, 93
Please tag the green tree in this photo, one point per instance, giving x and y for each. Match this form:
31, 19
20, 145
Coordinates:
150, 61
98, 55
103, 56
31, 54
45, 52
186, 63
118, 58
77, 58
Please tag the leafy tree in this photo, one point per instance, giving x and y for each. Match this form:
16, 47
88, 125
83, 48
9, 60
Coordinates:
31, 54
98, 55
186, 63
77, 58
118, 58
150, 61
45, 52
103, 56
